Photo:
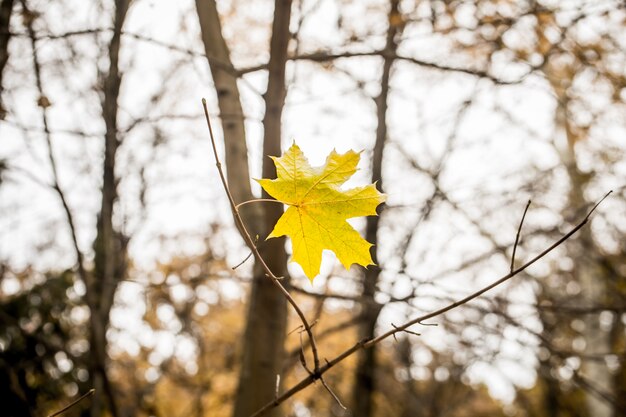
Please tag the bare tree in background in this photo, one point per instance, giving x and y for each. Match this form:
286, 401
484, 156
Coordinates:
110, 246
365, 378
267, 314
564, 64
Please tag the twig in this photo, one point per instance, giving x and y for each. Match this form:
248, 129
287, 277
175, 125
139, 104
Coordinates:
302, 357
405, 331
364, 344
250, 242
519, 229
242, 262
295, 330
256, 239
492, 285
326, 56
44, 104
330, 391
73, 403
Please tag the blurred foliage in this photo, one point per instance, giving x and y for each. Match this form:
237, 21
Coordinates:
42, 342
42, 337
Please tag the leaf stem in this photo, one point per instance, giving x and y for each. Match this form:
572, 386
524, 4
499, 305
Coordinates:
258, 200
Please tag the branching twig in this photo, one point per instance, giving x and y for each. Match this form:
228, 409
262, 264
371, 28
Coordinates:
327, 56
302, 357
44, 103
73, 403
250, 242
407, 330
364, 344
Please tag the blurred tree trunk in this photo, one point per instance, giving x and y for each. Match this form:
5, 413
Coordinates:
231, 114
109, 245
263, 341
411, 406
551, 392
618, 329
593, 283
267, 311
6, 9
587, 270
364, 384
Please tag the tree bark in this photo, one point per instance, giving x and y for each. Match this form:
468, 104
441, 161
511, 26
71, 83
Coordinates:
109, 245
6, 10
231, 114
267, 315
365, 382
263, 350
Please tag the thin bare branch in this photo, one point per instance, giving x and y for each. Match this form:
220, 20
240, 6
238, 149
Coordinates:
73, 403
519, 229
407, 330
332, 393
256, 240
302, 356
44, 103
325, 56
364, 344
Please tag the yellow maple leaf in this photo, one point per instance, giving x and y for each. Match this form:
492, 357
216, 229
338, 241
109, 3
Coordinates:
318, 209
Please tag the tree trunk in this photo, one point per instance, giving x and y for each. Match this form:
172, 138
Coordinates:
364, 384
263, 350
588, 272
231, 113
109, 249
593, 284
109, 245
6, 9
267, 314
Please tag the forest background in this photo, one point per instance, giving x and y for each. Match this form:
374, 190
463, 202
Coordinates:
122, 271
